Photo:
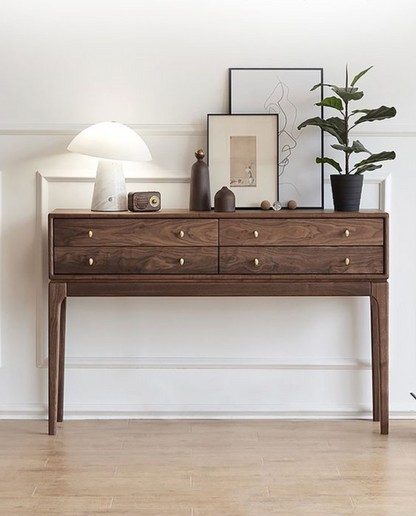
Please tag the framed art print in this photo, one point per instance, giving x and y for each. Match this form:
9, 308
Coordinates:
286, 92
243, 155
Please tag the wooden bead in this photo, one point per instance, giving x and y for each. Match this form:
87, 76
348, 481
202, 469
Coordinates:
265, 205
292, 205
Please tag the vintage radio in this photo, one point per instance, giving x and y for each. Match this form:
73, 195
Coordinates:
144, 201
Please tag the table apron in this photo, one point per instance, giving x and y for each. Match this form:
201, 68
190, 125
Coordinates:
217, 289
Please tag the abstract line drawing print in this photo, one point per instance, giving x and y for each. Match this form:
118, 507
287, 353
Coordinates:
278, 102
286, 92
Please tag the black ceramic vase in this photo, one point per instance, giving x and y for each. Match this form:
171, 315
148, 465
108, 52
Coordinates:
200, 192
224, 200
346, 191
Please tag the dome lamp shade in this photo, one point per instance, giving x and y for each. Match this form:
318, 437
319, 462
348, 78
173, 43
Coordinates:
112, 143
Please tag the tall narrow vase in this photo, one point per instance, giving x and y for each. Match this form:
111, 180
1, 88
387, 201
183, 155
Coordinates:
200, 192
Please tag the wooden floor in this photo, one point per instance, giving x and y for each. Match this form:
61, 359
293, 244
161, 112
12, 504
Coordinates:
207, 468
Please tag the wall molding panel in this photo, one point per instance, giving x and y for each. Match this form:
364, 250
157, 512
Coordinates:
381, 130
99, 362
1, 254
345, 364
88, 177
42, 209
74, 129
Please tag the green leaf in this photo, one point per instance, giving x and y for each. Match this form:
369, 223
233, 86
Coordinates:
367, 168
359, 147
360, 111
331, 162
331, 102
374, 158
321, 84
342, 148
318, 121
339, 130
348, 94
359, 75
334, 126
376, 114
356, 146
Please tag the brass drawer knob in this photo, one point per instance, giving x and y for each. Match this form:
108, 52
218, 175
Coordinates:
182, 261
256, 234
256, 262
90, 261
347, 233
347, 261
90, 234
181, 234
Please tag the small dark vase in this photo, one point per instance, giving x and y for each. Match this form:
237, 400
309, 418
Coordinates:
224, 200
200, 192
346, 191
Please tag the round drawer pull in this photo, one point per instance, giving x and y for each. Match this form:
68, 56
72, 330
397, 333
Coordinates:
90, 234
90, 261
182, 261
256, 262
181, 234
347, 233
347, 261
256, 234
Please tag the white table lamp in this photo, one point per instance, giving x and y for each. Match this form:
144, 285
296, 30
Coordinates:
113, 143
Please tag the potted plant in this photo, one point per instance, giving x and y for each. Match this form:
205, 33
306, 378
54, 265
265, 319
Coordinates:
347, 184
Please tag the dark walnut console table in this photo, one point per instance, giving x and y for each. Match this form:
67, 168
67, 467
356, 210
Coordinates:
247, 253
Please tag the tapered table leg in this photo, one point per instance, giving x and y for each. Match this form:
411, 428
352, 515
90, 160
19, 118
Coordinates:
380, 296
61, 362
375, 359
57, 295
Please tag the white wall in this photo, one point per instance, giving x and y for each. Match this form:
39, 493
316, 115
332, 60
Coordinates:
161, 66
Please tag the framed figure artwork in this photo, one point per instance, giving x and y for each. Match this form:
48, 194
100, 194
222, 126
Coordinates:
243, 155
286, 92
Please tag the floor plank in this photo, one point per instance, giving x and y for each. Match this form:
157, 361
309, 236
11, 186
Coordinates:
193, 468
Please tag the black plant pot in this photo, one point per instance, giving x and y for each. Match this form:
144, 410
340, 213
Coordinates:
346, 191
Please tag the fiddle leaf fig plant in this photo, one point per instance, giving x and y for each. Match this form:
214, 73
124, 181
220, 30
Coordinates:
340, 126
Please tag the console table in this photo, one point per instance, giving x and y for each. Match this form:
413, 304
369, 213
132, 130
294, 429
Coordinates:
246, 253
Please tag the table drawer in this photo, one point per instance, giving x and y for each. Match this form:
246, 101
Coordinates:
136, 260
135, 233
296, 260
302, 232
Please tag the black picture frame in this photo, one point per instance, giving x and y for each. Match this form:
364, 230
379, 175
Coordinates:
209, 115
321, 150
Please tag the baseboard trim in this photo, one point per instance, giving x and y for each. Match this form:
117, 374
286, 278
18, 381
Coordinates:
205, 412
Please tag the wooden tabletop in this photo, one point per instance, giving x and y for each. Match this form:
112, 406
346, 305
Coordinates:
240, 213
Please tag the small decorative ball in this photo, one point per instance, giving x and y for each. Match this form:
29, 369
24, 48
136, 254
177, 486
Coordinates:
292, 205
277, 206
265, 205
200, 154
